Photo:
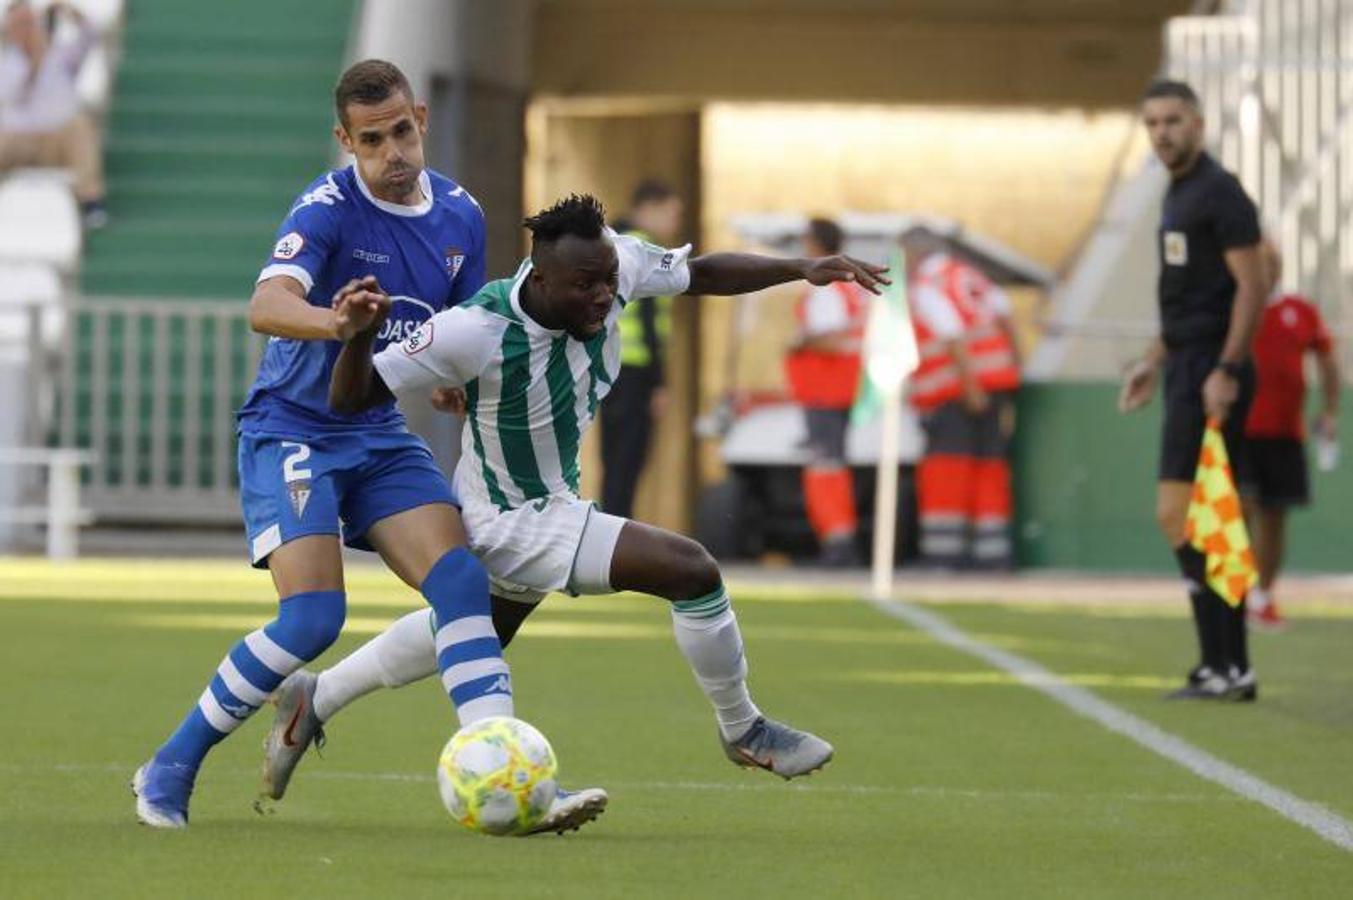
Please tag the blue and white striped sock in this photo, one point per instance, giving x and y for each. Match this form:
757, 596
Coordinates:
707, 634
305, 626
469, 656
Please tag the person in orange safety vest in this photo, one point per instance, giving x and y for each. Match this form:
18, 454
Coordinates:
964, 392
823, 370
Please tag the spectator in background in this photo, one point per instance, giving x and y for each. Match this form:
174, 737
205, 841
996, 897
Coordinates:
639, 395
964, 392
823, 370
1289, 327
41, 122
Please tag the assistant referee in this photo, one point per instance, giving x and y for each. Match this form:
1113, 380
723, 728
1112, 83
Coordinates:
1211, 293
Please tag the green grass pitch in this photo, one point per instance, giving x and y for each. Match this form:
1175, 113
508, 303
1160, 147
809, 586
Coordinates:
950, 780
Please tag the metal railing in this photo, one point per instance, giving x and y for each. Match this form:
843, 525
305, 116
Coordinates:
1275, 78
150, 388
61, 513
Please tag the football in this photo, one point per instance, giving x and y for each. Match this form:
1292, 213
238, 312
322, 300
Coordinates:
498, 776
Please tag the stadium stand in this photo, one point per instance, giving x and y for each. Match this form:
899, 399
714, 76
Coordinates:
214, 118
39, 221
217, 119
40, 245
215, 123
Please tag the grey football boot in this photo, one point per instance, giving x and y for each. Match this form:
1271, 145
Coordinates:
776, 747
294, 729
571, 810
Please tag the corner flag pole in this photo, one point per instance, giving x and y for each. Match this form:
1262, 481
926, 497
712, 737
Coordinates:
885, 498
890, 356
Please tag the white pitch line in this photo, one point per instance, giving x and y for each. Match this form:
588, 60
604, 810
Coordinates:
1326, 823
713, 787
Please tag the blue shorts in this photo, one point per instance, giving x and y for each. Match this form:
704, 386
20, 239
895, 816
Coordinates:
333, 484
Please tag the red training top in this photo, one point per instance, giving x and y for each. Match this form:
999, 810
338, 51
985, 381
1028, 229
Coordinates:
1290, 326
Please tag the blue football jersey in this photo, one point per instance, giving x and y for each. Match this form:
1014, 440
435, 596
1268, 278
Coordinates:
426, 258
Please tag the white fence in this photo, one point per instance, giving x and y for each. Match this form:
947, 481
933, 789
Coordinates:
151, 390
145, 393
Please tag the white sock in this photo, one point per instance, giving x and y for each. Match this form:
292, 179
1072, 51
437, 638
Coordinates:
707, 633
399, 655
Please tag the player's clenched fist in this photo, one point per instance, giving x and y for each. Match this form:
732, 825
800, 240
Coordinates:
360, 305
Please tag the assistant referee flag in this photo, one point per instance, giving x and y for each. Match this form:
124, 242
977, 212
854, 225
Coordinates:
1215, 525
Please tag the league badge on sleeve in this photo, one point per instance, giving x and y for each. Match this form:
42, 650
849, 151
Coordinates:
419, 340
455, 258
288, 245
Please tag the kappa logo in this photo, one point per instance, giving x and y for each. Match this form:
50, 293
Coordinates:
300, 496
459, 191
455, 258
501, 685
419, 340
327, 194
288, 245
369, 256
239, 710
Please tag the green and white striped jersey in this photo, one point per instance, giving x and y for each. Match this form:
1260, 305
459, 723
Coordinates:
530, 391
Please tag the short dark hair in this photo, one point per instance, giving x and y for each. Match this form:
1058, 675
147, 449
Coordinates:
579, 215
651, 190
369, 82
1165, 87
826, 234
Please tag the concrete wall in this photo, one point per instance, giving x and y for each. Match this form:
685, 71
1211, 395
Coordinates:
1085, 480
1086, 55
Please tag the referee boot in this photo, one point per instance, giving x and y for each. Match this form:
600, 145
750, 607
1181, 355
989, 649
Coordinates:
1206, 683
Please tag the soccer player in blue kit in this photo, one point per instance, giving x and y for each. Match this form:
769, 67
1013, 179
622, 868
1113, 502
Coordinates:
385, 226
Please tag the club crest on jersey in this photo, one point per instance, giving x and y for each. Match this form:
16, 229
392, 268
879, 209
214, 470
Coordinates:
288, 245
455, 258
300, 496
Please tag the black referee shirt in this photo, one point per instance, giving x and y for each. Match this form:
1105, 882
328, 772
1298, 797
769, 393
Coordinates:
1206, 213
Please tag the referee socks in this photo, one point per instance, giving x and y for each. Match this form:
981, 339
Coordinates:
1220, 627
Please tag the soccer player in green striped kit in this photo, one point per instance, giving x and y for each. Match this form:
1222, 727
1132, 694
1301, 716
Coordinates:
535, 354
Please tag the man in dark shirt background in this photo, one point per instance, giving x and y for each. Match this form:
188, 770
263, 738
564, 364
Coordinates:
1211, 292
639, 396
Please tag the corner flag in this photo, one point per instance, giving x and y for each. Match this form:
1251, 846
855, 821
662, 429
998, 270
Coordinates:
890, 355
890, 352
1214, 524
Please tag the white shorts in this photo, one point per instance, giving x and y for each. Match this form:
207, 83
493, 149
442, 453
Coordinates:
556, 543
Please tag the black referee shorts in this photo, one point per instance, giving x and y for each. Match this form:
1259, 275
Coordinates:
1281, 479
1181, 438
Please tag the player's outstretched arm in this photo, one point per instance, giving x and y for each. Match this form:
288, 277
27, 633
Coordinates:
742, 273
359, 311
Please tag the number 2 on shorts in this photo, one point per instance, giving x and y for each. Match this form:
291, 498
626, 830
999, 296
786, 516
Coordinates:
291, 466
